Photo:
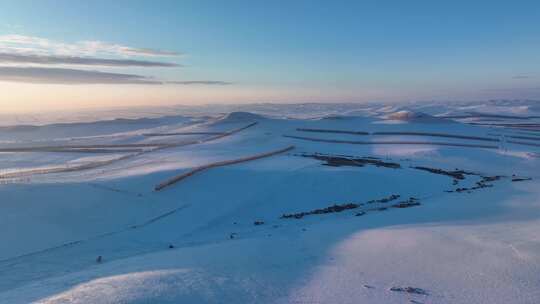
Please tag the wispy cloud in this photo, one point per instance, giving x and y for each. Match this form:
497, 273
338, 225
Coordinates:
201, 82
13, 58
522, 77
31, 59
42, 46
46, 75
69, 76
527, 89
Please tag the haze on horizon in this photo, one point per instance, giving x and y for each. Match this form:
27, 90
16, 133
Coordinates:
59, 55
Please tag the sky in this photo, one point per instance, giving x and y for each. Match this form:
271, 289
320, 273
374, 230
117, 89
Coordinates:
57, 55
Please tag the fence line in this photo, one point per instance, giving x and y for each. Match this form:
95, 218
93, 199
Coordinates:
335, 141
182, 176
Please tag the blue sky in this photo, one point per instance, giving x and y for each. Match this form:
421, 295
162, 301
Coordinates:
301, 50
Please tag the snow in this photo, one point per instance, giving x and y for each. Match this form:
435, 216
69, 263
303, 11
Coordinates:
241, 117
470, 246
413, 116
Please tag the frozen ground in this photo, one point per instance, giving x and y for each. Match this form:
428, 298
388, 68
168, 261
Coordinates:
415, 203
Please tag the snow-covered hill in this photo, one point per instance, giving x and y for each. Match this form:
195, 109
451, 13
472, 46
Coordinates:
415, 203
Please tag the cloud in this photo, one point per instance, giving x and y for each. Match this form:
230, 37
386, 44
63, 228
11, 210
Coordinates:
41, 46
30, 59
45, 75
201, 82
147, 52
99, 46
522, 77
517, 90
13, 58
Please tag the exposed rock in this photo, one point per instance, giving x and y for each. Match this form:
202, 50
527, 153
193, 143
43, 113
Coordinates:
411, 202
413, 290
339, 208
483, 183
385, 199
520, 179
338, 161
456, 174
331, 209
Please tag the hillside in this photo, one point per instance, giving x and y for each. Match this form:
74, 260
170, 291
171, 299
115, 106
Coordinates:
280, 204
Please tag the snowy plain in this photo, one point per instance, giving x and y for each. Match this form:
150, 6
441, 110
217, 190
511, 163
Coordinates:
409, 203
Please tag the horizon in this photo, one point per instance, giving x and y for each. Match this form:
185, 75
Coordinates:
515, 108
98, 108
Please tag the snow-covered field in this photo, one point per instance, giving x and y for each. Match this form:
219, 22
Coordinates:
409, 203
